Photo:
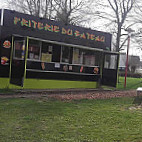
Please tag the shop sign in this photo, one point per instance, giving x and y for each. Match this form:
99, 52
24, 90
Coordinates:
4, 60
58, 29
7, 44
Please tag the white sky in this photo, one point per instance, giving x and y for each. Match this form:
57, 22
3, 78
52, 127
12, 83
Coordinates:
132, 50
2, 3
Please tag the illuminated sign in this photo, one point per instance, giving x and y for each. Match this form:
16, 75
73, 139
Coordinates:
56, 29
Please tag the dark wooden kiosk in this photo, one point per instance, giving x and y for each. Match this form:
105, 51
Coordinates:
38, 53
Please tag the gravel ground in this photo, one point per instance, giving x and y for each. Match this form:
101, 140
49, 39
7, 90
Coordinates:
70, 94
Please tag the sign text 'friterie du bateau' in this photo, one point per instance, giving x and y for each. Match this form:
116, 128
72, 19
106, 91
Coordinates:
57, 29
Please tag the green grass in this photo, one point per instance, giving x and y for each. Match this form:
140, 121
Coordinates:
28, 120
45, 83
7, 91
131, 83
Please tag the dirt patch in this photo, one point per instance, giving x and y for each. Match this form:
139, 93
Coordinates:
73, 95
95, 95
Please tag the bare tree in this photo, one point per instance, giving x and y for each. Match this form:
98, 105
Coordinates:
41, 8
71, 11
138, 21
115, 15
67, 11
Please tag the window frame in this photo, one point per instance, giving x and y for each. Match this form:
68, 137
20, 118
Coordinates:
40, 45
61, 55
64, 44
110, 61
14, 57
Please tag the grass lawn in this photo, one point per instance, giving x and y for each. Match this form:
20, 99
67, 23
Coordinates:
131, 83
37, 120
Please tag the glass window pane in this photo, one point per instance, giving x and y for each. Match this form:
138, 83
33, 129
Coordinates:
56, 53
34, 49
98, 58
19, 49
65, 54
46, 52
77, 56
110, 62
89, 58
107, 61
113, 62
86, 57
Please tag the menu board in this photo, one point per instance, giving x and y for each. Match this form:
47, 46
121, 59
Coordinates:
46, 57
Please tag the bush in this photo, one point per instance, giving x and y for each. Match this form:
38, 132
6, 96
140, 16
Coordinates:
134, 75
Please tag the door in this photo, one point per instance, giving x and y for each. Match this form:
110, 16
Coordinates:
110, 68
18, 64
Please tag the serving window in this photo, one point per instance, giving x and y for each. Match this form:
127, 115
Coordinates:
86, 57
19, 49
46, 52
89, 58
49, 52
77, 56
65, 54
34, 49
62, 58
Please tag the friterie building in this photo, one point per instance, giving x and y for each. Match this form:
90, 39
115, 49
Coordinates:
38, 53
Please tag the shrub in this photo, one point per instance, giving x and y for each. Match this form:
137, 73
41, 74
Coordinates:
135, 75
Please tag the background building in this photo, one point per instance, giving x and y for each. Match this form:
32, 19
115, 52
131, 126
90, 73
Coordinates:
134, 63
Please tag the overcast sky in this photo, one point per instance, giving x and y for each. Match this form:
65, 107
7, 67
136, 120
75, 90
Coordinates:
2, 3
132, 51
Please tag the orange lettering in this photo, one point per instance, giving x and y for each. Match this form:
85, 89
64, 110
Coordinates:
24, 22
35, 23
83, 36
92, 37
102, 39
48, 27
64, 31
97, 38
77, 33
40, 25
69, 32
29, 23
16, 20
88, 35
56, 29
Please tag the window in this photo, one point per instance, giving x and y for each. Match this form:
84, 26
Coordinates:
46, 52
89, 58
34, 49
50, 52
98, 58
19, 49
86, 57
77, 56
56, 51
110, 62
65, 54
